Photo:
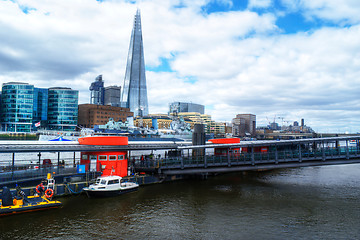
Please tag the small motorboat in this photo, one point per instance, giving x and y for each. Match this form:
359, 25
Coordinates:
11, 205
109, 186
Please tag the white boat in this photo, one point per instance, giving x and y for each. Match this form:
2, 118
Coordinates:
109, 186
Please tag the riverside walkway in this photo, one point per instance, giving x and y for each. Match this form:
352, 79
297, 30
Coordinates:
279, 154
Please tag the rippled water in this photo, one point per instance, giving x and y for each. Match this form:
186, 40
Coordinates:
304, 203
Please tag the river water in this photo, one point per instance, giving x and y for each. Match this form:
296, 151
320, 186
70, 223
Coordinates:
302, 203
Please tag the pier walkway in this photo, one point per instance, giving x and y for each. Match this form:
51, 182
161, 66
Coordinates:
279, 154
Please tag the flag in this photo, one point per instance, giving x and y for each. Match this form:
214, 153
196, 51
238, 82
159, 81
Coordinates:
37, 124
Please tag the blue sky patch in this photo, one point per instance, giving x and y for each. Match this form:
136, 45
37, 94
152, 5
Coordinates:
163, 67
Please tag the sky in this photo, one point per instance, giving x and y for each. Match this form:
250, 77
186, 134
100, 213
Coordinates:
281, 60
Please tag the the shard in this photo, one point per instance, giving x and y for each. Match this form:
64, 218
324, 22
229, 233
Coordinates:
134, 95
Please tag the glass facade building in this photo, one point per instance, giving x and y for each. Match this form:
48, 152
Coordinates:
97, 91
17, 107
62, 109
179, 107
40, 106
134, 94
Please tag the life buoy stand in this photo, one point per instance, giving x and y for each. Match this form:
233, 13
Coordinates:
49, 193
38, 187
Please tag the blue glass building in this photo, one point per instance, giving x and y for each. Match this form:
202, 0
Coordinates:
97, 91
62, 109
40, 106
134, 94
17, 107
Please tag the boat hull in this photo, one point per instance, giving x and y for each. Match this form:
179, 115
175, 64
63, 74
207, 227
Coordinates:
108, 193
31, 207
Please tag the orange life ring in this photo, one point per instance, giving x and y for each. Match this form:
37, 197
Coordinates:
49, 193
38, 188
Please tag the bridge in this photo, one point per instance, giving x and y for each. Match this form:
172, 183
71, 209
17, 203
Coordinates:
279, 154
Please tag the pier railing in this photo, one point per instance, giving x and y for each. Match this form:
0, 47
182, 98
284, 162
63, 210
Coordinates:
252, 158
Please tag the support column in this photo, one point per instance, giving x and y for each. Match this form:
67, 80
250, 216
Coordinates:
58, 164
276, 155
228, 158
323, 151
205, 160
74, 163
347, 149
13, 166
300, 154
252, 156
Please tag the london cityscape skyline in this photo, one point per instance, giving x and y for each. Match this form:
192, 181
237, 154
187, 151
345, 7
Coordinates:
250, 62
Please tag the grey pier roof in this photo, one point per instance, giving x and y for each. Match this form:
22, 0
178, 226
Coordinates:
74, 146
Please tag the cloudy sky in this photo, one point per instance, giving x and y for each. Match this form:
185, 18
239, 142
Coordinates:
278, 59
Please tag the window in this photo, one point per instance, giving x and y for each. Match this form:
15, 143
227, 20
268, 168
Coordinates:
84, 157
93, 157
116, 181
112, 157
103, 157
121, 157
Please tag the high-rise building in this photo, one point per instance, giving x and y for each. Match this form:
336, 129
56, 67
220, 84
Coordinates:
62, 109
112, 96
17, 107
97, 91
134, 94
178, 107
244, 125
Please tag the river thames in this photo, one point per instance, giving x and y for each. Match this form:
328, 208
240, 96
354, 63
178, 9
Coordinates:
303, 203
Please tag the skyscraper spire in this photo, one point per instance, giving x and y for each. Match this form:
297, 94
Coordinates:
134, 94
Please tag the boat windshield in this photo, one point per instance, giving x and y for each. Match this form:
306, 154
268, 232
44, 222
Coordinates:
101, 181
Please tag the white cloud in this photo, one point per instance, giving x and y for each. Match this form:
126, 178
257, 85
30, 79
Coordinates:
342, 12
233, 62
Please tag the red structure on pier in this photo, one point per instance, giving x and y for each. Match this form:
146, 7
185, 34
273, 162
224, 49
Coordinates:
109, 163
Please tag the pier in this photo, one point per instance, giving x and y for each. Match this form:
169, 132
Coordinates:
177, 159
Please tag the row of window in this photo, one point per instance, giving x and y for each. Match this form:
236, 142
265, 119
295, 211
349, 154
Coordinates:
103, 157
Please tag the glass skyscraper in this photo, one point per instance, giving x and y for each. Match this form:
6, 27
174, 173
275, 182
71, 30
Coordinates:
134, 94
17, 107
62, 109
97, 91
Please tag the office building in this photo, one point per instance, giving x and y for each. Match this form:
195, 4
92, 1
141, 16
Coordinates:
17, 107
179, 107
62, 109
244, 125
92, 114
40, 106
97, 91
134, 94
112, 96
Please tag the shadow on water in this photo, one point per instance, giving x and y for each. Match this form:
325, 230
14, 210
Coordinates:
296, 203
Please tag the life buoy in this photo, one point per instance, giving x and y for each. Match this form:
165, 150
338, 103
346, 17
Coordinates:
38, 187
49, 193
